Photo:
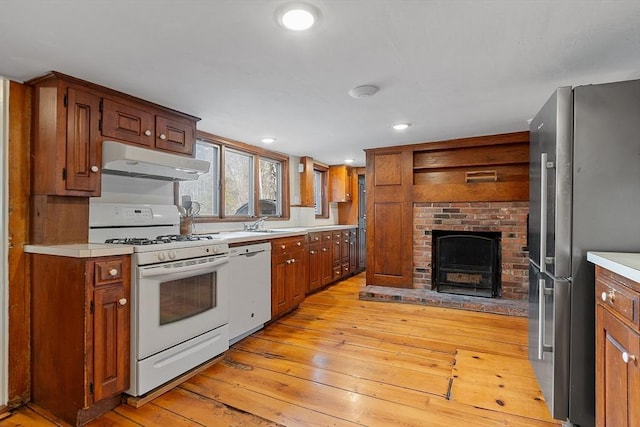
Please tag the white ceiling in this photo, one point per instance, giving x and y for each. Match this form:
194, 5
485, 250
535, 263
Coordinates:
453, 68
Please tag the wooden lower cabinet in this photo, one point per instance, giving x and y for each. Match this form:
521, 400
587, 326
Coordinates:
327, 258
617, 350
289, 277
80, 334
315, 261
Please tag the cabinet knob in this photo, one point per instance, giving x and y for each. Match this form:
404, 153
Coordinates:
293, 261
626, 357
94, 168
312, 252
298, 243
610, 296
282, 246
324, 249
122, 301
147, 132
113, 272
163, 136
337, 243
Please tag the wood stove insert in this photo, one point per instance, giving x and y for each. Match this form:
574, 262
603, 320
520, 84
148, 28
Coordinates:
466, 262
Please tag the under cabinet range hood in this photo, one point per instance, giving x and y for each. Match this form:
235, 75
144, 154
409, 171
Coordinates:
129, 160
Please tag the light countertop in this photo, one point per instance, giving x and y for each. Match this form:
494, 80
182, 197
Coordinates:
80, 250
233, 237
622, 263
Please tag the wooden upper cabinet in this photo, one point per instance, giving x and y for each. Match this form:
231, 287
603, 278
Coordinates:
66, 139
340, 186
175, 134
83, 139
127, 123
145, 126
72, 117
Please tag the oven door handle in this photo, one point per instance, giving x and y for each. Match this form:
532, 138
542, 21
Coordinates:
193, 268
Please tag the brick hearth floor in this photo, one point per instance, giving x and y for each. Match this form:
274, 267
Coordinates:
510, 307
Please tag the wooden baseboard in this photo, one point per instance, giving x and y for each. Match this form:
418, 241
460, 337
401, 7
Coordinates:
138, 401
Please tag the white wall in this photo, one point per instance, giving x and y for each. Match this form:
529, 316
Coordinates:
4, 238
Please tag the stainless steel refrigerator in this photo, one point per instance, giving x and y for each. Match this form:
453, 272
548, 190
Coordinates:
584, 195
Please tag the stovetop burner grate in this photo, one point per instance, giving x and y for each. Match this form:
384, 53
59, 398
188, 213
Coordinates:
184, 237
169, 238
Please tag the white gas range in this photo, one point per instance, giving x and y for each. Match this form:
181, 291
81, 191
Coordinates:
179, 290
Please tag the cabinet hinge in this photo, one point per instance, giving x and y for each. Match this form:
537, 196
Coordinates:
100, 125
64, 174
91, 388
91, 307
65, 100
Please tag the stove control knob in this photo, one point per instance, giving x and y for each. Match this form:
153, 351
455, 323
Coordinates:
172, 254
161, 256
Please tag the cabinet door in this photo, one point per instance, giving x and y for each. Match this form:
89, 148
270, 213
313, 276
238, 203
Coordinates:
617, 372
315, 266
279, 303
175, 134
327, 260
337, 248
83, 136
127, 123
297, 280
340, 183
110, 341
353, 251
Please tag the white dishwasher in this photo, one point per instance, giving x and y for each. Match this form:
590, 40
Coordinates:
249, 289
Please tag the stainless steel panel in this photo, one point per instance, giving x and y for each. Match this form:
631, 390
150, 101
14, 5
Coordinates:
552, 295
606, 212
550, 138
559, 262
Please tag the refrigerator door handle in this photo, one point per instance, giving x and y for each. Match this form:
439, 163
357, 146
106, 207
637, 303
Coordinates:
543, 214
542, 292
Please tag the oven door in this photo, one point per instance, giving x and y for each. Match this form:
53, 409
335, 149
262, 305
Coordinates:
177, 301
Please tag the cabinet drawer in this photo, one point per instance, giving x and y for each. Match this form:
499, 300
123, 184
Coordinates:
109, 271
612, 292
315, 237
280, 246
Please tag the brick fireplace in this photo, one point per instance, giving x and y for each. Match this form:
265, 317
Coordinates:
507, 218
475, 186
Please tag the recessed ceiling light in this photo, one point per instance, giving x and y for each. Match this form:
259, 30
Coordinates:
297, 16
348, 160
268, 140
401, 126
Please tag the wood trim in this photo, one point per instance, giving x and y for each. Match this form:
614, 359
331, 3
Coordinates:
19, 359
475, 141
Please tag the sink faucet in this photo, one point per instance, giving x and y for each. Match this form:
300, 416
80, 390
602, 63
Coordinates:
256, 225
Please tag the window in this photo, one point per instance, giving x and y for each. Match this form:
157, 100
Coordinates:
238, 182
320, 191
251, 183
205, 189
270, 187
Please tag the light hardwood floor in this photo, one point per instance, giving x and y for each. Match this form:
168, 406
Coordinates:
339, 361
